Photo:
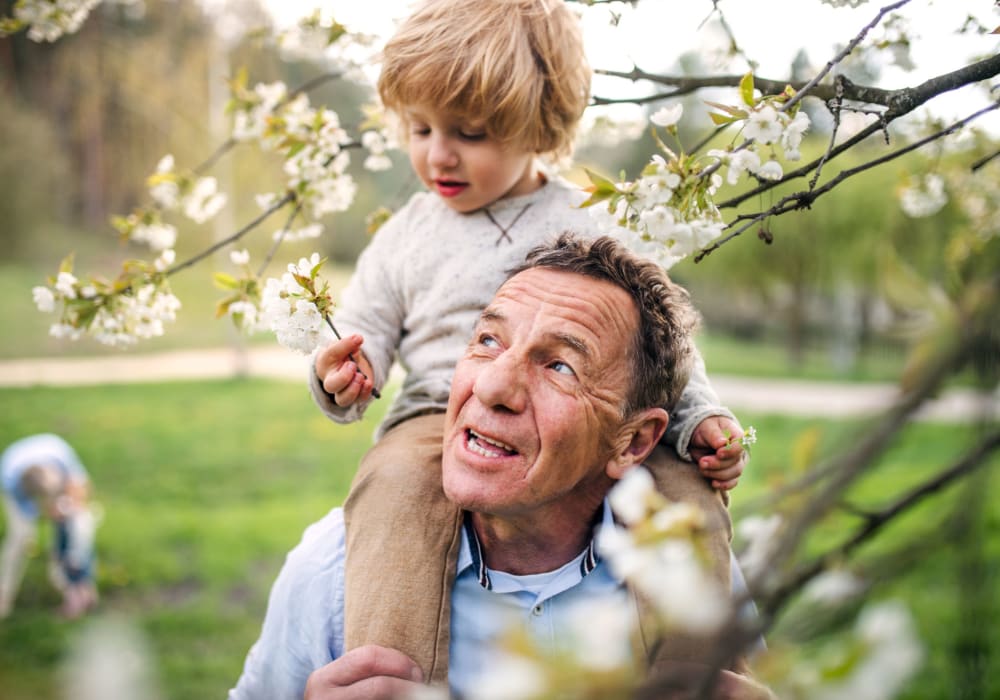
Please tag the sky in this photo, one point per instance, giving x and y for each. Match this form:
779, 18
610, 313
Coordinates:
657, 32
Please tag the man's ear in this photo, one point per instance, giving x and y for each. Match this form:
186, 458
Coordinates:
638, 437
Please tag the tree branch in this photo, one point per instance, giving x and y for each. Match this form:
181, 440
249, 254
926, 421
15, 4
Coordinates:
805, 198
973, 460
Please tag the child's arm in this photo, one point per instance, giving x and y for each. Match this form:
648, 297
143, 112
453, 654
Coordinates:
370, 307
698, 427
342, 378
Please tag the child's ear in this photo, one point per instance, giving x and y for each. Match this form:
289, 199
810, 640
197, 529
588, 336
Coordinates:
637, 439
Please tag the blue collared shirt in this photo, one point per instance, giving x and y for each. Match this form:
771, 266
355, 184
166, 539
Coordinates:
303, 629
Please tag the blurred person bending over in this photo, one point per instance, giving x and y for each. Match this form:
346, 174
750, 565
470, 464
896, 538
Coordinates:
42, 476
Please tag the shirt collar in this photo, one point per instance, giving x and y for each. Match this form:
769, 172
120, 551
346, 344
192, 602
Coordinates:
471, 550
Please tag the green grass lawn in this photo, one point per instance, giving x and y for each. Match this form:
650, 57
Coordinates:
205, 487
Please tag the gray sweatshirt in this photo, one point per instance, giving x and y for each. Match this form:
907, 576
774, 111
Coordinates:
420, 285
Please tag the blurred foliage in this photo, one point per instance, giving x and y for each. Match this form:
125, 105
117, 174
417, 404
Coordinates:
203, 498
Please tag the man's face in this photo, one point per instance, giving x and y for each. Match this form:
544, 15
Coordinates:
534, 412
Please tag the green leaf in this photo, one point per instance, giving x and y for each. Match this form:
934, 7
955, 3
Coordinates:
721, 119
746, 89
596, 198
67, 263
600, 184
222, 308
225, 281
374, 221
728, 109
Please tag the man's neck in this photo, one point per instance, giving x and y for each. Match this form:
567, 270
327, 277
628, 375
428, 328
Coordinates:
534, 545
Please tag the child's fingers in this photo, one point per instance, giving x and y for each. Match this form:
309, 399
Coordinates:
336, 353
725, 485
338, 382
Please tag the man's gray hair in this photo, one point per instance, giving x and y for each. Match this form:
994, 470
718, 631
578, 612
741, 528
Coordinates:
663, 349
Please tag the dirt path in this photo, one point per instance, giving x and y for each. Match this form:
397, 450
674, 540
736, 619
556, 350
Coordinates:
794, 397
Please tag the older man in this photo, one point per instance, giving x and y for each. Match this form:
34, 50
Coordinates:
559, 394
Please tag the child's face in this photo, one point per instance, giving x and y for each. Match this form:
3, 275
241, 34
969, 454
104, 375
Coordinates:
463, 165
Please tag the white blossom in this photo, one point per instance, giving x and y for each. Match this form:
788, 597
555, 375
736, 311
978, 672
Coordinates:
166, 194
44, 299
377, 163
791, 136
314, 230
66, 285
924, 199
245, 314
600, 632
158, 236
833, 587
889, 654
763, 125
240, 257
266, 200
509, 677
48, 20
165, 164
771, 170
296, 322
630, 497
204, 202
745, 160
667, 116
760, 535
164, 260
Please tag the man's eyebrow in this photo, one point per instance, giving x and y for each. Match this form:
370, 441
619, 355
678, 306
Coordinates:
573, 343
492, 315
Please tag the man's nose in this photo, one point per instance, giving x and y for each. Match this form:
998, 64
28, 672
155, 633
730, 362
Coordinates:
442, 153
502, 384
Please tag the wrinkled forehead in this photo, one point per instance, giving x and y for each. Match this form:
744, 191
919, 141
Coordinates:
546, 301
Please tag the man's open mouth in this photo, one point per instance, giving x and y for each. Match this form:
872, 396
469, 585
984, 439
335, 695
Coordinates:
487, 447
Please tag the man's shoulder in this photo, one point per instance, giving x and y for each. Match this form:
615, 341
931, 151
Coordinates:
322, 543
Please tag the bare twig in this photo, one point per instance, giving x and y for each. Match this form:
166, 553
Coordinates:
874, 522
983, 161
219, 245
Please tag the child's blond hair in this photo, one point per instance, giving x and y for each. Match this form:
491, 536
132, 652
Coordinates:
517, 66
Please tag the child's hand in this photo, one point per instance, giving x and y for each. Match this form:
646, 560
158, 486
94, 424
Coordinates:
715, 445
346, 381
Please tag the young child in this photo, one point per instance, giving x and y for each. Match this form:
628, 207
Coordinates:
41, 476
483, 90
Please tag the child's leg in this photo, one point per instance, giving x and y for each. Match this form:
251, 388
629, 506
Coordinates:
398, 520
679, 480
18, 540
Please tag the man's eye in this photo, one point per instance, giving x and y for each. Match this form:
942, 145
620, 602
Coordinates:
489, 341
562, 368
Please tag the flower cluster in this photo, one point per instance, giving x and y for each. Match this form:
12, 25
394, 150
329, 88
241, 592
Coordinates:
295, 306
668, 213
767, 121
197, 197
872, 664
47, 20
243, 299
136, 305
658, 553
310, 140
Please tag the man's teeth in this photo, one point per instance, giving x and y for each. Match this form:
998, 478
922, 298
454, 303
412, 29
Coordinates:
479, 444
